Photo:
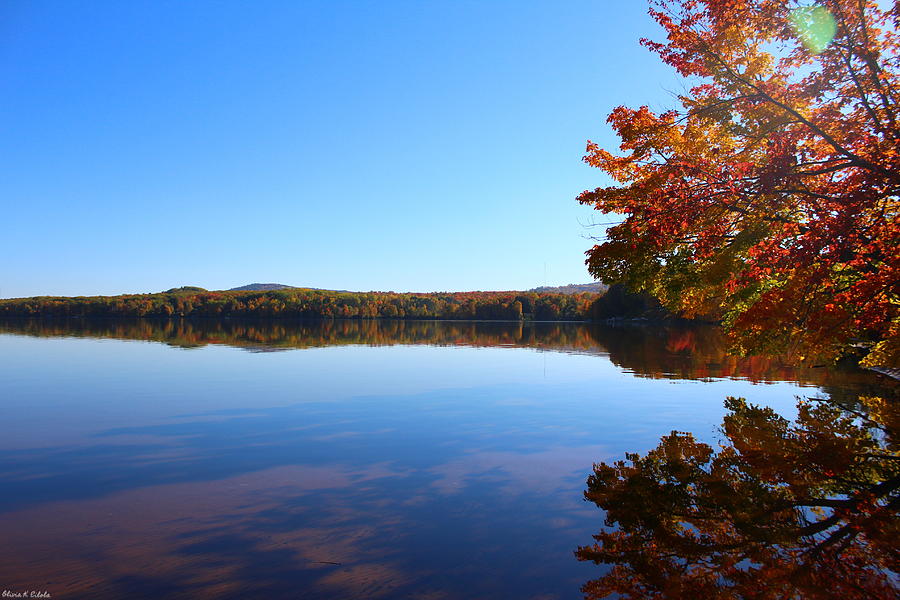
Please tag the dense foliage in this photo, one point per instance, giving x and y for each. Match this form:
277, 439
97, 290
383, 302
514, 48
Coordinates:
770, 197
304, 303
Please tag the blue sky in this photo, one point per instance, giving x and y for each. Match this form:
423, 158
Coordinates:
407, 146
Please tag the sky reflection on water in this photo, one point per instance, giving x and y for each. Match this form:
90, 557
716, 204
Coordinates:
452, 470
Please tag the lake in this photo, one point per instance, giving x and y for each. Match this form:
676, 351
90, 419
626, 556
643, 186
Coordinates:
339, 459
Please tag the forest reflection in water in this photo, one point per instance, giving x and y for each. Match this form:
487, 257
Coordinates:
274, 484
667, 350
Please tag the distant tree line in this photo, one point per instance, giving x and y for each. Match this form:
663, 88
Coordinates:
303, 303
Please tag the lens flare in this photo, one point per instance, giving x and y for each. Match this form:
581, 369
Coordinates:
815, 27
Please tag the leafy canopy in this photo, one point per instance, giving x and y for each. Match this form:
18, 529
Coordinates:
769, 198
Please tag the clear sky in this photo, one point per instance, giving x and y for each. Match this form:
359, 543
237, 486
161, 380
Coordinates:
406, 146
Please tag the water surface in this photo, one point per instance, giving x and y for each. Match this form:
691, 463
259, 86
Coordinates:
330, 459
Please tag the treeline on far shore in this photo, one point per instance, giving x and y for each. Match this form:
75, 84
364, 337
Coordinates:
303, 303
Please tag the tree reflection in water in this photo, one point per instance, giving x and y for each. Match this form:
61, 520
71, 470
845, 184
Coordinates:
783, 510
802, 509
670, 351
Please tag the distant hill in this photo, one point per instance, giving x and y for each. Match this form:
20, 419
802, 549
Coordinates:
261, 287
573, 288
185, 288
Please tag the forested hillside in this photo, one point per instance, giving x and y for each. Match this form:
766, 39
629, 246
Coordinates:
306, 303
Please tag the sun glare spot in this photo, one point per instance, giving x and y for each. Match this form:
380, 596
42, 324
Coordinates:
815, 27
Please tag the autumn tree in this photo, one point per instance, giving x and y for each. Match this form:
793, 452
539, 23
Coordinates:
769, 197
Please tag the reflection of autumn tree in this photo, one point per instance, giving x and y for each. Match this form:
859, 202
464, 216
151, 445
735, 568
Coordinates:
672, 351
262, 334
783, 510
701, 352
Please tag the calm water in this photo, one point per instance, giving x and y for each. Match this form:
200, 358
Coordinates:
339, 459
